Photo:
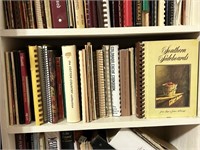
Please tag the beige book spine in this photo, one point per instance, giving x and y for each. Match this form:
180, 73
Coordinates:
107, 80
90, 81
10, 89
85, 111
38, 14
101, 84
161, 12
79, 13
71, 83
15, 88
132, 78
48, 13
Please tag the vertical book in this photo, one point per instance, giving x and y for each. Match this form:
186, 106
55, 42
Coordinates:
71, 83
167, 78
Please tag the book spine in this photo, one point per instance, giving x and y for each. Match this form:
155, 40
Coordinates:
120, 13
14, 88
59, 88
84, 98
125, 82
38, 13
58, 12
132, 78
140, 106
25, 87
16, 14
71, 89
48, 13
90, 81
19, 88
107, 80
128, 19
43, 79
53, 91
36, 86
101, 84
161, 12
115, 80
138, 19
100, 13
20, 141
106, 13
11, 101
52, 140
79, 14
67, 139
30, 14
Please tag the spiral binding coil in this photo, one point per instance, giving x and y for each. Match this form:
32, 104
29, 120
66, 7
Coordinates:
47, 83
140, 82
106, 14
101, 84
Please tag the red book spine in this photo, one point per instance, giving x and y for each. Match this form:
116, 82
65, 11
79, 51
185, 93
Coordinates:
25, 91
59, 89
59, 13
128, 19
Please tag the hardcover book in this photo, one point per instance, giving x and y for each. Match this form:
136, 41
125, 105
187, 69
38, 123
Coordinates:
71, 83
166, 78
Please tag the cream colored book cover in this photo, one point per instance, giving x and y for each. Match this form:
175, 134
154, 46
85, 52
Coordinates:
71, 83
167, 78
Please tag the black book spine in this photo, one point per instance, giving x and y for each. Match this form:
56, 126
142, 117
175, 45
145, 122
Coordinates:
19, 88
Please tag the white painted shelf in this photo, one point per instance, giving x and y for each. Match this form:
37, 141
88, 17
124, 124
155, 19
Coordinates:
88, 32
103, 123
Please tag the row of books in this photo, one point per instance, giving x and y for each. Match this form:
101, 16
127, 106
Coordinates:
94, 84
54, 14
93, 139
92, 14
89, 83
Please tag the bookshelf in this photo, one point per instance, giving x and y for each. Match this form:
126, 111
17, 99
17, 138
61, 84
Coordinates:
184, 133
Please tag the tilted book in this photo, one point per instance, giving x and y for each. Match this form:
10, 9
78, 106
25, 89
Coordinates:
71, 83
166, 78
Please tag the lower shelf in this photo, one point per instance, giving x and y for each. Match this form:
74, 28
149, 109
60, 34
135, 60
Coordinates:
103, 123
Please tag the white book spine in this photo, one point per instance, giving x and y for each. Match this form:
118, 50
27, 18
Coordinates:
106, 13
71, 83
115, 81
161, 12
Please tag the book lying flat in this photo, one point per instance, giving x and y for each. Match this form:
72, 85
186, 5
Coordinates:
138, 139
166, 78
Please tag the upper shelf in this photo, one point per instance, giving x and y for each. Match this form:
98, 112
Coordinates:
94, 32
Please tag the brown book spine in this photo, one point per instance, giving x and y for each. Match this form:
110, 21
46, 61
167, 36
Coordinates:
59, 88
58, 12
53, 92
17, 14
25, 88
125, 82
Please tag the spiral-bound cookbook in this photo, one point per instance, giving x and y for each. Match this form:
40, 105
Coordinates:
166, 78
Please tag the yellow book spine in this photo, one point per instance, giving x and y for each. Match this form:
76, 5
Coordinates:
35, 77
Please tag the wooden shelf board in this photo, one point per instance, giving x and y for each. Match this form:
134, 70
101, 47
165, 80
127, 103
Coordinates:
103, 123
